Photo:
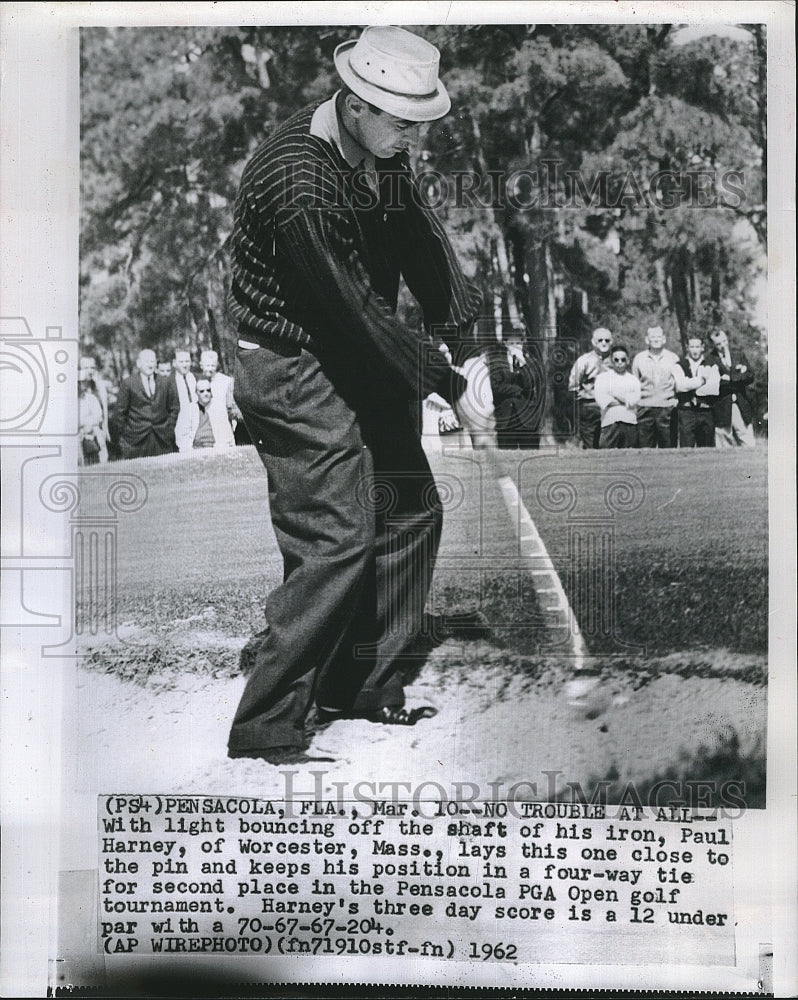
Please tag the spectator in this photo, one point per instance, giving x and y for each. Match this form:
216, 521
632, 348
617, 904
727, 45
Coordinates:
164, 369
653, 367
184, 379
201, 425
515, 390
222, 386
92, 443
617, 396
582, 381
146, 411
696, 383
100, 389
733, 410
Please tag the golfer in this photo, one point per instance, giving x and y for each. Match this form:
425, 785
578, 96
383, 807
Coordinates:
328, 380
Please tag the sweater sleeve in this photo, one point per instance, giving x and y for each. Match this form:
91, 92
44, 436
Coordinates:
322, 244
450, 302
633, 390
603, 390
683, 382
573, 378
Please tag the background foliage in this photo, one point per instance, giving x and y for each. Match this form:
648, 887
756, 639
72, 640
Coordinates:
170, 116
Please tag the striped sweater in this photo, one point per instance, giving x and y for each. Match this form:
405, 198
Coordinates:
316, 260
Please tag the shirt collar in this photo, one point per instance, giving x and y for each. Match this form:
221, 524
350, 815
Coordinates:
326, 125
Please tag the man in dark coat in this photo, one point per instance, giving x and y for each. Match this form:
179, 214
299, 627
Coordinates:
146, 411
328, 380
515, 385
733, 410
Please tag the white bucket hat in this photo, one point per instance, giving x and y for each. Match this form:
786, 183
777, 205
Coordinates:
396, 71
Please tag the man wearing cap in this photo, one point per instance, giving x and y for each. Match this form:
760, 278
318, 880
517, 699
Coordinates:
582, 381
328, 380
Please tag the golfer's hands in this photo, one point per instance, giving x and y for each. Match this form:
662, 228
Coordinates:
448, 421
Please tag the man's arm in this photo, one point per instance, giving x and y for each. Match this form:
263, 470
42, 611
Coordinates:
605, 397
172, 404
740, 373
503, 385
428, 263
186, 428
233, 412
102, 395
686, 383
575, 378
119, 416
632, 391
321, 244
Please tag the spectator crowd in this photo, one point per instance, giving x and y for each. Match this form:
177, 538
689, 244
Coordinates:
161, 408
652, 399
657, 399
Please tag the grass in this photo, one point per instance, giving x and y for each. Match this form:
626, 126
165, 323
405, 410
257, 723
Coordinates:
676, 578
686, 569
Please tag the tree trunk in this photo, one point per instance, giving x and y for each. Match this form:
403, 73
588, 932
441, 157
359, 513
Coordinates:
498, 244
680, 269
194, 326
508, 285
216, 343
662, 283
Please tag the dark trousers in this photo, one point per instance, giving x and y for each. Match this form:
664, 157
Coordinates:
153, 443
357, 519
589, 423
618, 435
654, 427
696, 428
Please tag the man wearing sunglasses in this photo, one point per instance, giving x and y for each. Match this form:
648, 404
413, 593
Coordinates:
617, 395
201, 424
586, 369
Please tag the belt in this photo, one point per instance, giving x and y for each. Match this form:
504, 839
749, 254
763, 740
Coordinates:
280, 345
